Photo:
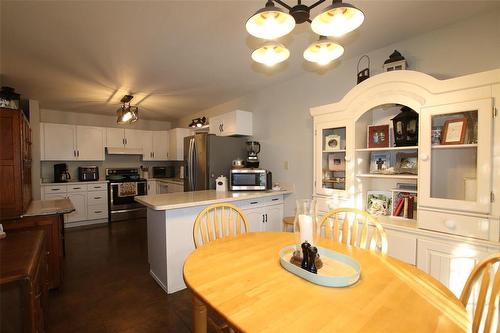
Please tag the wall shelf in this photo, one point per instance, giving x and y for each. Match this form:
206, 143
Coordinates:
334, 151
374, 175
388, 148
467, 145
403, 190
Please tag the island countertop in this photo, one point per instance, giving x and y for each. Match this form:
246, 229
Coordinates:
177, 200
49, 207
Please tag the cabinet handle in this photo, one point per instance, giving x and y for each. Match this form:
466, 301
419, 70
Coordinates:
424, 157
275, 199
263, 218
97, 187
254, 202
97, 197
77, 188
450, 224
98, 211
77, 153
74, 153
126, 141
266, 218
55, 189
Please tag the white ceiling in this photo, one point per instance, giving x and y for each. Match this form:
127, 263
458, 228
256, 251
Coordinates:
176, 57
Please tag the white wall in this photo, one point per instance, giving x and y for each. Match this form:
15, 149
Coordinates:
281, 112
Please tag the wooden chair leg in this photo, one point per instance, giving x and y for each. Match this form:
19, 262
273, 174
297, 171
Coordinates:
199, 316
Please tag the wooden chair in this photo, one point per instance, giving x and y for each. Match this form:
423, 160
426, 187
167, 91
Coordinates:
288, 221
350, 226
214, 222
218, 221
484, 270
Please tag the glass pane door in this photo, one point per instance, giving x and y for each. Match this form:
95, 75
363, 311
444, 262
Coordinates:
333, 164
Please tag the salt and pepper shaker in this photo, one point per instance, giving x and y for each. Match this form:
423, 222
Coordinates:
313, 251
305, 255
309, 254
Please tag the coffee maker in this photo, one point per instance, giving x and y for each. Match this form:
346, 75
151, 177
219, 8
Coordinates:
253, 149
61, 174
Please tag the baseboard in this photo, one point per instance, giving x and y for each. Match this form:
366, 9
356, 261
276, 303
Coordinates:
68, 225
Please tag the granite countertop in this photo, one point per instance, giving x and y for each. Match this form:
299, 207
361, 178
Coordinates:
198, 198
75, 182
179, 181
49, 207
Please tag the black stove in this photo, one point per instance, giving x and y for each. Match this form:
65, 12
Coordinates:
123, 175
122, 205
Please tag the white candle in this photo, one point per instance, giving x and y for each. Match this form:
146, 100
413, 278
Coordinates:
306, 228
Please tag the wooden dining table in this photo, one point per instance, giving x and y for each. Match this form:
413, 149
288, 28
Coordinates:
241, 279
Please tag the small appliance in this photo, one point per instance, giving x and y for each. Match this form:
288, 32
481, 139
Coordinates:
238, 164
221, 184
253, 149
88, 173
250, 180
163, 172
61, 174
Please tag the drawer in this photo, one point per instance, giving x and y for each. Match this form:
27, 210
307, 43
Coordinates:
98, 187
49, 189
97, 198
95, 212
77, 188
463, 225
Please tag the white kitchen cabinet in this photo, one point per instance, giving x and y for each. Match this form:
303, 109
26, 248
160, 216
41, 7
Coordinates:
236, 122
58, 142
151, 187
147, 146
61, 142
160, 145
402, 246
161, 187
449, 262
133, 138
176, 143
173, 188
124, 138
79, 201
265, 218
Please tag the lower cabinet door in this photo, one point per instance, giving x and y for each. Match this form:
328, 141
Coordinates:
449, 262
273, 217
79, 201
255, 218
402, 246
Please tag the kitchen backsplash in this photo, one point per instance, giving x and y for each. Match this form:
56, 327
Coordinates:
112, 161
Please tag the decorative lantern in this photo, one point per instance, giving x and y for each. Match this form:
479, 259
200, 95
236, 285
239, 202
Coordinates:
364, 73
305, 224
405, 126
395, 62
9, 99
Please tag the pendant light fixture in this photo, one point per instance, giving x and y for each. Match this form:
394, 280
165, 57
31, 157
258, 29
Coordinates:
337, 19
323, 51
127, 114
271, 53
270, 22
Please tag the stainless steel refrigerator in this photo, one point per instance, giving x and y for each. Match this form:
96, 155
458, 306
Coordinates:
207, 156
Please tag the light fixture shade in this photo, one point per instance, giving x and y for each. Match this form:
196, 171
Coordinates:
271, 54
127, 114
323, 51
337, 19
270, 22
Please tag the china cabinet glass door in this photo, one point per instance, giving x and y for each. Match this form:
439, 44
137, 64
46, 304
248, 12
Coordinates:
330, 159
455, 155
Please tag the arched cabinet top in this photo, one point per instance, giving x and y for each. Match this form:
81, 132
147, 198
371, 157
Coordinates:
410, 88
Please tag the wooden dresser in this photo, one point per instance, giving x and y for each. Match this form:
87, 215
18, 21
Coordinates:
23, 282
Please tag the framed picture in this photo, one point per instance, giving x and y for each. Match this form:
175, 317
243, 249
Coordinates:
332, 142
378, 136
336, 162
454, 131
378, 202
407, 163
380, 162
436, 135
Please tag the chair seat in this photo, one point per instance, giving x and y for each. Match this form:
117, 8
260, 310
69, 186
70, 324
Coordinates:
288, 221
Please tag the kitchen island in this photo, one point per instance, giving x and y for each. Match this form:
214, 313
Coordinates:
171, 218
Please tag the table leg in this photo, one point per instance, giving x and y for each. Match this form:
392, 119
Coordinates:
199, 316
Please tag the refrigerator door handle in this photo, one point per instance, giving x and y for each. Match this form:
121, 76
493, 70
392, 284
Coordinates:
191, 164
195, 164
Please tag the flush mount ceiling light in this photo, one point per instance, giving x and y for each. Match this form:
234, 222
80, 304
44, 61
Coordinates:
272, 22
271, 53
323, 51
127, 114
198, 122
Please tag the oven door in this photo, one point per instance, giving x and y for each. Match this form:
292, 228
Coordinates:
124, 203
248, 180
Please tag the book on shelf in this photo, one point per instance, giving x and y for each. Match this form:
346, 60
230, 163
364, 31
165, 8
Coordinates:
404, 205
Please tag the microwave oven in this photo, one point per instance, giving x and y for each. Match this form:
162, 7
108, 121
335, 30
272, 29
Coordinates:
250, 180
163, 172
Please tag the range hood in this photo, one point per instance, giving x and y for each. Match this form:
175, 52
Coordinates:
124, 151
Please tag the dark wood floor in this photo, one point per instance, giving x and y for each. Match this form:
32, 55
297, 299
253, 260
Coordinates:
107, 286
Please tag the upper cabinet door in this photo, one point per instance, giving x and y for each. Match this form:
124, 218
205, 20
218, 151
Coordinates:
90, 143
236, 122
147, 146
115, 137
133, 139
59, 142
160, 145
456, 156
332, 157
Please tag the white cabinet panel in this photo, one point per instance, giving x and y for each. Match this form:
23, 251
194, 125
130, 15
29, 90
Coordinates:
147, 146
59, 142
115, 137
133, 139
79, 201
173, 188
176, 143
274, 217
255, 218
160, 145
90, 143
449, 262
232, 123
265, 218
402, 246
151, 187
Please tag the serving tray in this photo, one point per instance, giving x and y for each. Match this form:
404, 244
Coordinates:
339, 270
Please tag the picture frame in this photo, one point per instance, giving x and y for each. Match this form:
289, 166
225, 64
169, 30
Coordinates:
436, 135
453, 132
333, 142
378, 136
380, 162
336, 162
406, 163
379, 202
